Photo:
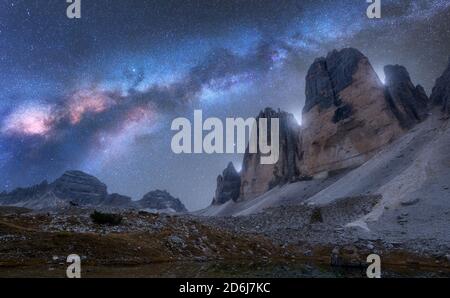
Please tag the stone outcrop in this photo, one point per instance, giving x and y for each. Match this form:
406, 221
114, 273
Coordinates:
257, 178
441, 92
228, 186
160, 200
409, 103
346, 115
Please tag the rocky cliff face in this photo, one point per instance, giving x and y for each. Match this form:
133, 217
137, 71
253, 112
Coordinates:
160, 200
409, 103
257, 178
346, 115
441, 92
228, 186
349, 115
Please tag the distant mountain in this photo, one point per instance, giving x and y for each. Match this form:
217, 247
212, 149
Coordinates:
409, 103
228, 186
72, 188
160, 200
78, 189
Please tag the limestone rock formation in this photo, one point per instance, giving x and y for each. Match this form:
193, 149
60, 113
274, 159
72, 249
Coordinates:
79, 188
160, 200
228, 186
346, 117
73, 188
257, 178
409, 103
17, 196
441, 91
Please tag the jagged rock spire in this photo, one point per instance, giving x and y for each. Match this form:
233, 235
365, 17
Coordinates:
228, 185
441, 91
409, 103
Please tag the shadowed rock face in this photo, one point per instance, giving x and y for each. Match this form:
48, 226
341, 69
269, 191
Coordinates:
257, 178
329, 76
160, 200
228, 186
346, 116
73, 187
409, 103
441, 91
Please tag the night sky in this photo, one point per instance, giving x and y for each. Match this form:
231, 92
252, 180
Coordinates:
98, 94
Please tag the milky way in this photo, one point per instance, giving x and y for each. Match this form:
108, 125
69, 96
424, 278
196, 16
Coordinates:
98, 94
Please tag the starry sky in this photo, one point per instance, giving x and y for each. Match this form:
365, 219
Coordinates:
98, 94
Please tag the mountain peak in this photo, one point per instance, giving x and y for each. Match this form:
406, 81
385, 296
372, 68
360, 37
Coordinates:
161, 200
409, 103
77, 188
440, 95
231, 169
228, 185
80, 188
329, 75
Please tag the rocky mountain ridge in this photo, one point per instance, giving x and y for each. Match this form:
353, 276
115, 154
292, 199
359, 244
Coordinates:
160, 200
78, 189
348, 117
